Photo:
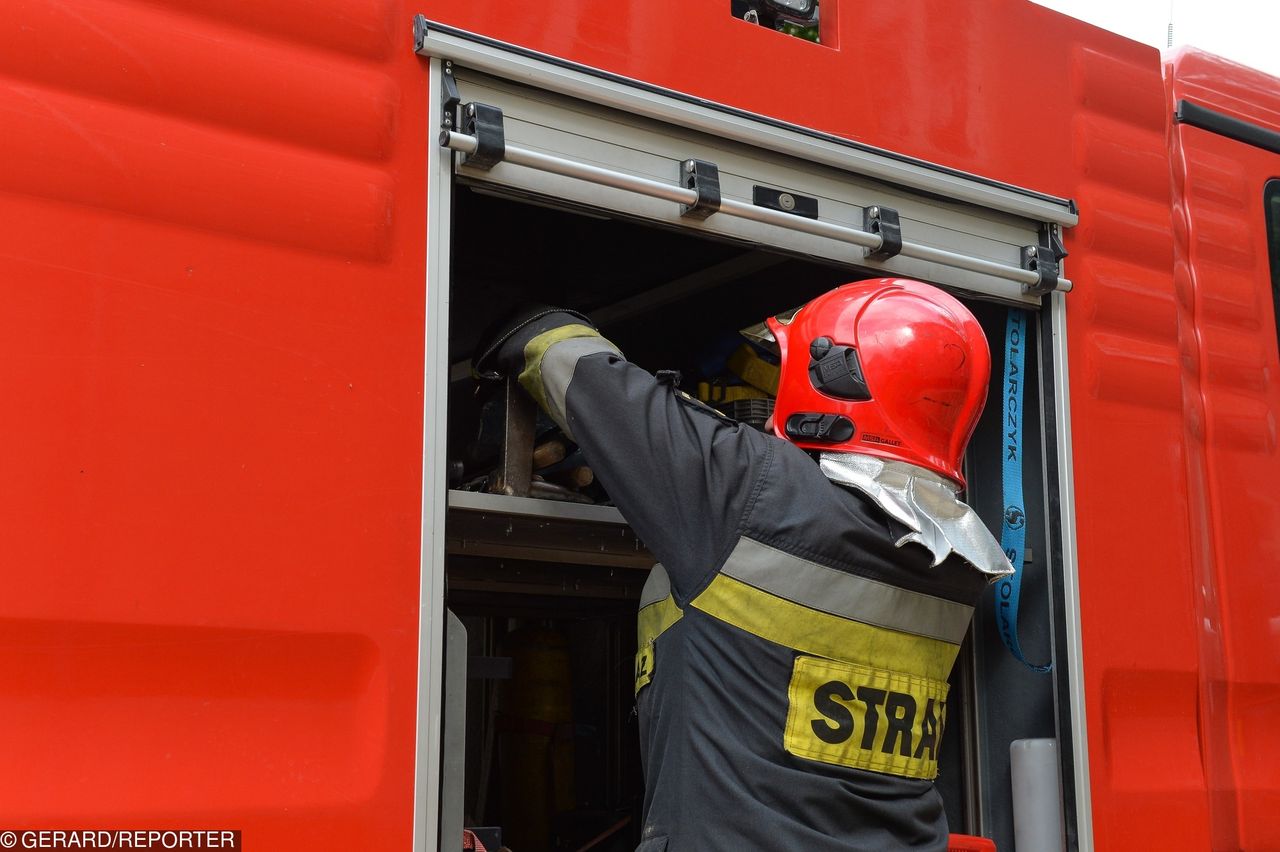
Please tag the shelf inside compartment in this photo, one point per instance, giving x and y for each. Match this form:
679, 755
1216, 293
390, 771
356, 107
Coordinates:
527, 528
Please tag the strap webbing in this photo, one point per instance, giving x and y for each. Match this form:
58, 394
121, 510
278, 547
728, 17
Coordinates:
1013, 531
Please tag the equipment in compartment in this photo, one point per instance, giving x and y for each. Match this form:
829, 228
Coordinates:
518, 452
535, 735
551, 759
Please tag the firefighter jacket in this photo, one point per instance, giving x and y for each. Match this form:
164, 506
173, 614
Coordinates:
791, 677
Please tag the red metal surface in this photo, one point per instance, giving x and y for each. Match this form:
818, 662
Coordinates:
211, 346
1129, 443
211, 332
921, 78
1233, 399
967, 843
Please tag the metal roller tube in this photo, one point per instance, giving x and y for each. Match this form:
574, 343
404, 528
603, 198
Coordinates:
798, 223
679, 195
568, 168
977, 264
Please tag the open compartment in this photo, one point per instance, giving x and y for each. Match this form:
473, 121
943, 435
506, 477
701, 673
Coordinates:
548, 588
545, 577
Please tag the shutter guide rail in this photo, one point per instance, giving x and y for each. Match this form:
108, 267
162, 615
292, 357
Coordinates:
1033, 280
592, 85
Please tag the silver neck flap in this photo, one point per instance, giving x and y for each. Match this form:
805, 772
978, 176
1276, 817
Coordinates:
924, 502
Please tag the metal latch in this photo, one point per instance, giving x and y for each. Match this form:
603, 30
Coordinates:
1044, 260
449, 97
785, 202
703, 178
484, 122
883, 221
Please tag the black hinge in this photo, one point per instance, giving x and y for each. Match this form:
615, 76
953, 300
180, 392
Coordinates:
703, 178
884, 221
1044, 259
449, 97
484, 122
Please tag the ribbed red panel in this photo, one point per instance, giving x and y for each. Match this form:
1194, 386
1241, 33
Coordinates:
1129, 431
211, 318
1233, 365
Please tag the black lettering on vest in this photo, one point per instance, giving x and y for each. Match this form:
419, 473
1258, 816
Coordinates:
824, 701
929, 731
873, 699
900, 715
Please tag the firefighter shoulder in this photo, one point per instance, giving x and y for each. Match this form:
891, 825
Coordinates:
796, 639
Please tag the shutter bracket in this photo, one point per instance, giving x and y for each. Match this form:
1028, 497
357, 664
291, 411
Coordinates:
1044, 259
703, 178
878, 219
484, 122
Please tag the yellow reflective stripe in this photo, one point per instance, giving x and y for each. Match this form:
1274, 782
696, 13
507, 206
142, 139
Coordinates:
651, 623
821, 634
645, 658
846, 595
548, 387
854, 715
654, 619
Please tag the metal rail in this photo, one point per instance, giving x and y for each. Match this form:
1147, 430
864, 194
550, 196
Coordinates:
677, 194
595, 86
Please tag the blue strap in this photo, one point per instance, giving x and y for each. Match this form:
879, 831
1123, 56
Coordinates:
1013, 532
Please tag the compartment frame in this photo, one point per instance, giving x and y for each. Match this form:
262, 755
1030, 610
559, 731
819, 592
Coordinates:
444, 168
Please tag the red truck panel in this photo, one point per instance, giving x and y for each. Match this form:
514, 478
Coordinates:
211, 343
1128, 430
1233, 398
211, 332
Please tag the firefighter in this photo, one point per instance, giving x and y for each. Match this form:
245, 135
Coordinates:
814, 585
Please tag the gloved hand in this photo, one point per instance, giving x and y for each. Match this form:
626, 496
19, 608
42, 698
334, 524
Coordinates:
501, 349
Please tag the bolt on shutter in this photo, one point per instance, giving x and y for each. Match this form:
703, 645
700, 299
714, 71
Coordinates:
532, 125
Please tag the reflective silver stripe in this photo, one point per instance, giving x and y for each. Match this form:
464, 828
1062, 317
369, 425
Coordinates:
656, 588
557, 367
846, 595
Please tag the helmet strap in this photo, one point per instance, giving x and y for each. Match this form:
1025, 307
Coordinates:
816, 426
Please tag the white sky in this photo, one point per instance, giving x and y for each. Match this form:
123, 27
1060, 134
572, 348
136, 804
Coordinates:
1246, 32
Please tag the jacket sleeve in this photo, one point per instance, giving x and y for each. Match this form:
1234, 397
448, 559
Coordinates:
683, 475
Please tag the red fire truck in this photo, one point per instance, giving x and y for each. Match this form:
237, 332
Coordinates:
249, 582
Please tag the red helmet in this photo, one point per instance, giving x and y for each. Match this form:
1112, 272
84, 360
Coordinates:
888, 367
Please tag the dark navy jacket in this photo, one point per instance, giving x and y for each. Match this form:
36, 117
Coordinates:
791, 677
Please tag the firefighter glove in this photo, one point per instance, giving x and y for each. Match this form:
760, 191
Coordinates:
501, 350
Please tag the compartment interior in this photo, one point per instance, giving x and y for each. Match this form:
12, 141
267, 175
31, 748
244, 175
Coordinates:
551, 749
